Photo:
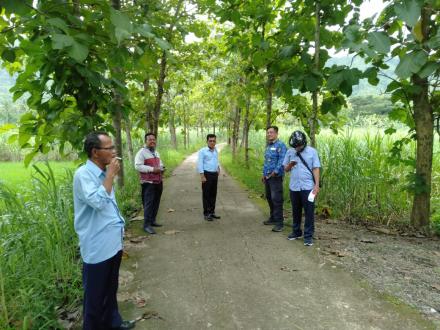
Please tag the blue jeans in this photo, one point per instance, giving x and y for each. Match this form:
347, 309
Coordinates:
299, 202
274, 196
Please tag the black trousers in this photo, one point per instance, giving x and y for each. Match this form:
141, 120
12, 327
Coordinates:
151, 193
274, 196
100, 283
209, 195
299, 202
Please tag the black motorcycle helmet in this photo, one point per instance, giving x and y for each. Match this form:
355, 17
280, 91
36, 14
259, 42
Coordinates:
298, 139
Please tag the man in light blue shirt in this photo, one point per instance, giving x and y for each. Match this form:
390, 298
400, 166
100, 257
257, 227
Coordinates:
208, 168
100, 228
303, 163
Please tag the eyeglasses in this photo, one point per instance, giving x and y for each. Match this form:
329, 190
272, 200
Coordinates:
211, 140
108, 148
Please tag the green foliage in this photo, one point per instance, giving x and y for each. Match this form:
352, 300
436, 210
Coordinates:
69, 61
40, 269
417, 72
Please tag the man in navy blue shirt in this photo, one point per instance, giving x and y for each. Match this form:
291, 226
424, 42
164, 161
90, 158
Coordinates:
208, 168
273, 172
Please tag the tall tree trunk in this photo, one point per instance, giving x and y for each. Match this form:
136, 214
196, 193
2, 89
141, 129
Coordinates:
269, 97
160, 90
149, 123
246, 125
235, 129
213, 128
424, 122
129, 141
188, 133
185, 128
118, 144
172, 128
117, 115
315, 108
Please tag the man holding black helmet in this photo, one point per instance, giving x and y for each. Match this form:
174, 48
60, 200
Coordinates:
303, 163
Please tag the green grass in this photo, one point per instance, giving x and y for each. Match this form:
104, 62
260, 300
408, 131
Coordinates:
39, 260
15, 174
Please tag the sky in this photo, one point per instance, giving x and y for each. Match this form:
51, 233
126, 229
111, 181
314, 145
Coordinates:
371, 7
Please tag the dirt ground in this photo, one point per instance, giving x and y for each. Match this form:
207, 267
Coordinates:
406, 269
234, 273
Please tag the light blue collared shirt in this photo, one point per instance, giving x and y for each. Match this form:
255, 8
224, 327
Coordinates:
300, 176
98, 222
208, 160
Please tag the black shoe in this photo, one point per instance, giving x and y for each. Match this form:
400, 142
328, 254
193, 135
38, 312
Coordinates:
149, 230
208, 218
214, 216
125, 325
269, 222
156, 224
277, 228
293, 237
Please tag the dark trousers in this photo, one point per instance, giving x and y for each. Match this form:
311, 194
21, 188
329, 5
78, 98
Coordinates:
100, 282
151, 193
274, 196
299, 202
209, 195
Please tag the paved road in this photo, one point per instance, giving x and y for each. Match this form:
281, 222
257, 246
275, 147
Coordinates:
234, 273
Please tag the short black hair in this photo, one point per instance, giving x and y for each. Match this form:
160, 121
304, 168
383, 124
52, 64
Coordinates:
92, 141
275, 128
148, 134
210, 136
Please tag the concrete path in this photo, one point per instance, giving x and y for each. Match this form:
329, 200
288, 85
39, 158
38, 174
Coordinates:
234, 273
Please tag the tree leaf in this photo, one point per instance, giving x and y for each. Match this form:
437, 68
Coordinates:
28, 158
287, 51
61, 41
59, 23
145, 31
122, 24
8, 55
311, 82
428, 69
411, 63
21, 7
120, 20
78, 52
163, 44
23, 138
408, 11
379, 41
390, 131
335, 80
392, 86
434, 42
